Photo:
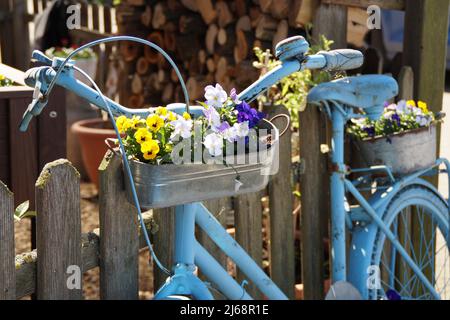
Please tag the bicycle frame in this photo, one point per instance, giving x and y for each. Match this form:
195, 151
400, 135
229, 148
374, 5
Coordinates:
340, 185
189, 253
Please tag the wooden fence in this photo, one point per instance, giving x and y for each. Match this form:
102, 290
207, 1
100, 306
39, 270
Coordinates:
115, 246
60, 243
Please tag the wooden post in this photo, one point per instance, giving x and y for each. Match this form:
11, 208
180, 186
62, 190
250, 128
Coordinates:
6, 31
58, 226
248, 223
7, 249
22, 52
282, 261
406, 83
314, 206
425, 47
163, 241
119, 236
331, 21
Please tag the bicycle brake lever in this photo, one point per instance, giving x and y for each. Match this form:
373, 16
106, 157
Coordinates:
41, 57
34, 109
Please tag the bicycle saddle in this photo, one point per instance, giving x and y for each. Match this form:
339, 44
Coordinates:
360, 92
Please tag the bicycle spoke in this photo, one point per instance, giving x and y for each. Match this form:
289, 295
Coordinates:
423, 249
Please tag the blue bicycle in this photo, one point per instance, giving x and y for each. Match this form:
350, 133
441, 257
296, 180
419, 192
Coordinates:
385, 257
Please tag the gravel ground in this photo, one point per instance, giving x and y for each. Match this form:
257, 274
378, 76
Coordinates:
89, 221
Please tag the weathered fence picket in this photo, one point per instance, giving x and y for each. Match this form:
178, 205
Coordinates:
282, 262
219, 208
248, 224
163, 241
58, 227
119, 237
406, 83
7, 254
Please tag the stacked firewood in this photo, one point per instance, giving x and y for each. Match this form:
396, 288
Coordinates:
211, 41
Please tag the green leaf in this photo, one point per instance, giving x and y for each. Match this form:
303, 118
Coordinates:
22, 212
22, 208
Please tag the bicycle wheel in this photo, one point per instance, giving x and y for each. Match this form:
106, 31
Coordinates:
419, 219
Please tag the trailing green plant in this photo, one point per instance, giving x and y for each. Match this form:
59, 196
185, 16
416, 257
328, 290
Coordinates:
292, 91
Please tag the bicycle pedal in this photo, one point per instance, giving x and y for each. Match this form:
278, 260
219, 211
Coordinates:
343, 290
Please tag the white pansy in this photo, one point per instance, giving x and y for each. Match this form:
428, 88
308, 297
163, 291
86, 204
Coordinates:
214, 143
242, 129
422, 121
213, 118
389, 114
215, 96
181, 127
230, 134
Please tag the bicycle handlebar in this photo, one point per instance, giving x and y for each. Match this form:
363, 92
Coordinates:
344, 59
66, 80
336, 60
41, 57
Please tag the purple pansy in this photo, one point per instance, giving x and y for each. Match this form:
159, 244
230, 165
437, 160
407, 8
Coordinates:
393, 295
234, 96
396, 118
223, 126
247, 113
370, 131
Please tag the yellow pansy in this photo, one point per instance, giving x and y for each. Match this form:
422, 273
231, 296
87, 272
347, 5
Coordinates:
423, 106
161, 111
150, 149
137, 122
154, 122
2, 77
142, 135
186, 116
123, 124
411, 103
172, 116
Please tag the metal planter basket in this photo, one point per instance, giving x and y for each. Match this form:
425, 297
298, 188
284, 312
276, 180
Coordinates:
167, 185
404, 152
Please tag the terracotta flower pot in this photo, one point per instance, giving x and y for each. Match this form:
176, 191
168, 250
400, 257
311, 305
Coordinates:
92, 134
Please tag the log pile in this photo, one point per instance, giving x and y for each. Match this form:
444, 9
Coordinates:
211, 41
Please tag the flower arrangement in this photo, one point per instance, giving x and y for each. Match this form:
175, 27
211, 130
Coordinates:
5, 82
63, 52
397, 117
225, 119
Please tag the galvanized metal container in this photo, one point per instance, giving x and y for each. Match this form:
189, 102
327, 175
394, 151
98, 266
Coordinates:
404, 152
167, 185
